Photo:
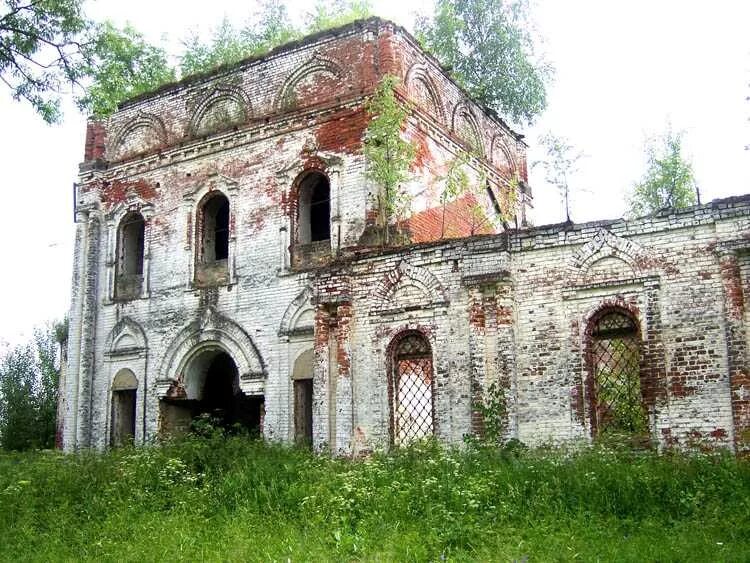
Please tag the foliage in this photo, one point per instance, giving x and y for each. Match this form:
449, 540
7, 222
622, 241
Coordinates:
494, 411
509, 199
618, 391
269, 28
41, 51
28, 393
389, 157
458, 184
121, 64
668, 182
560, 163
455, 185
237, 499
327, 15
487, 46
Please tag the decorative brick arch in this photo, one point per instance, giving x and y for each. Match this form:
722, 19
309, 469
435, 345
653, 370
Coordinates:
408, 277
218, 95
212, 331
317, 64
465, 125
420, 85
606, 244
500, 152
146, 128
127, 336
295, 311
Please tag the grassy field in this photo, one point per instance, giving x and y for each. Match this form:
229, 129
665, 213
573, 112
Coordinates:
240, 500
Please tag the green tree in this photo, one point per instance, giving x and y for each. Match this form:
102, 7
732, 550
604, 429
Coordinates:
560, 163
389, 157
668, 182
487, 46
29, 376
120, 64
41, 44
326, 15
269, 28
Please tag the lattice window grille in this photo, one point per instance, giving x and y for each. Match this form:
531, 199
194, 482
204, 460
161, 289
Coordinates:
618, 401
413, 400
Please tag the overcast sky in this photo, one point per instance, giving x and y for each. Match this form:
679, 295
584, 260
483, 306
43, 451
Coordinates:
624, 71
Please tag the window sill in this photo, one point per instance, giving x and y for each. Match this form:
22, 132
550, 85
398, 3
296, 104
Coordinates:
128, 287
212, 274
311, 254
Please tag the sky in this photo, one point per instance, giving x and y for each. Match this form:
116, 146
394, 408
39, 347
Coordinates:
624, 72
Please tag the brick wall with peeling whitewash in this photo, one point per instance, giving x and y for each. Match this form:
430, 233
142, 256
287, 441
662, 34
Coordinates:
514, 309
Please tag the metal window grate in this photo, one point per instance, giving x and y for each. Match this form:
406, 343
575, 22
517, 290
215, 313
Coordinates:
413, 409
617, 401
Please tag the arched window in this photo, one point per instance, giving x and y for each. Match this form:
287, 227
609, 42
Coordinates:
314, 209
130, 244
411, 389
615, 386
213, 228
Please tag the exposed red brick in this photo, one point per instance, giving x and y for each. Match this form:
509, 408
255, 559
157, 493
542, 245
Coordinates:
344, 132
118, 191
96, 139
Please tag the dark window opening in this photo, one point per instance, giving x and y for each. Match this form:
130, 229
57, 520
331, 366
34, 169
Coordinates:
617, 401
314, 209
215, 229
411, 390
130, 250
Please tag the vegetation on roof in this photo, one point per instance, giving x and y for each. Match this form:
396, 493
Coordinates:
47, 48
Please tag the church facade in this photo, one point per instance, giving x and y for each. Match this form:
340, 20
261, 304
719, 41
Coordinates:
226, 268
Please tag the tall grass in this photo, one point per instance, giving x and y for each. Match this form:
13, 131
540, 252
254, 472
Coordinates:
238, 499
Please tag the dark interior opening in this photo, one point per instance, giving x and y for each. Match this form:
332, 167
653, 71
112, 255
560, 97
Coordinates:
314, 208
220, 401
123, 417
131, 245
303, 415
225, 402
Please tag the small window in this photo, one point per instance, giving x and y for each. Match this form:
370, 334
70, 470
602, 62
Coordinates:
314, 212
214, 227
411, 389
616, 402
130, 245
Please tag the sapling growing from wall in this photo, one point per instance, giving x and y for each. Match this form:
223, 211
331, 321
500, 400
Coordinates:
458, 183
669, 181
389, 156
560, 164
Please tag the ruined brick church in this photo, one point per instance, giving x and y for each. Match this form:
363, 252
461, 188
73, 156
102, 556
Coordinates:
225, 266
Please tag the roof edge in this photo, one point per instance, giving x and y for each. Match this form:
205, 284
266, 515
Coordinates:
373, 22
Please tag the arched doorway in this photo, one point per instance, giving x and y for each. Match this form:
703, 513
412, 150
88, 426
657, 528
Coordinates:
212, 392
122, 421
302, 381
